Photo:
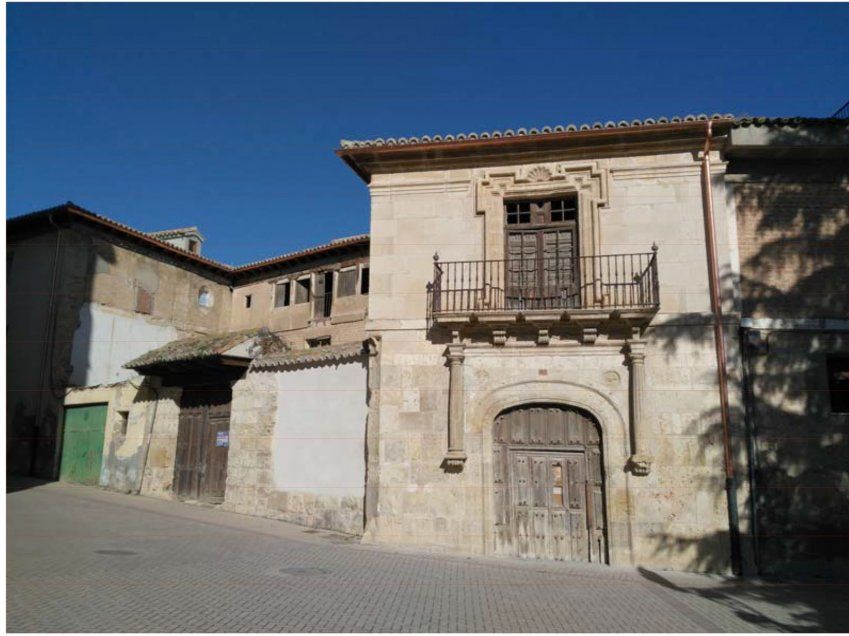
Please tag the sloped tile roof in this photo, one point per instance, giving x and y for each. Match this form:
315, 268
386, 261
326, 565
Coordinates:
155, 239
340, 242
791, 122
525, 132
332, 353
194, 348
177, 231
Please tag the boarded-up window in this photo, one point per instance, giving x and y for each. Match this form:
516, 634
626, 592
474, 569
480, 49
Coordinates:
144, 301
347, 282
302, 291
282, 293
364, 281
838, 383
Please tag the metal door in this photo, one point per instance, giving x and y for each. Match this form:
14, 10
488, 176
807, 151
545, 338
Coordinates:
203, 440
82, 443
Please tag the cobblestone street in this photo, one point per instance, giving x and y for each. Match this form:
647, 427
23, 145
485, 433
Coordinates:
82, 559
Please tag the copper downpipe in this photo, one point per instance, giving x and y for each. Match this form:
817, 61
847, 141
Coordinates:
719, 341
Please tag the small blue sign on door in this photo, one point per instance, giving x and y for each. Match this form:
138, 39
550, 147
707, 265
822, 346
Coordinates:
222, 439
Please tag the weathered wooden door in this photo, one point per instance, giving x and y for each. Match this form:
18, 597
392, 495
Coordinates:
82, 443
549, 485
203, 440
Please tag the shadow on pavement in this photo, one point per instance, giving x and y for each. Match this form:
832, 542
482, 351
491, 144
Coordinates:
777, 605
15, 483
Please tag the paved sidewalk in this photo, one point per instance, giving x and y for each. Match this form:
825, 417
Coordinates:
82, 559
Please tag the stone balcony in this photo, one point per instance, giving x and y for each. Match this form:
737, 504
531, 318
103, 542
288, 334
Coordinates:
544, 293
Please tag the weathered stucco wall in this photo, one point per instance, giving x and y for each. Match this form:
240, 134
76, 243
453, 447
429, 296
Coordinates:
46, 355
297, 322
297, 449
107, 338
676, 516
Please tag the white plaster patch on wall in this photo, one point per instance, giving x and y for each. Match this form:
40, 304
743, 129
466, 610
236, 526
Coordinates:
106, 339
319, 435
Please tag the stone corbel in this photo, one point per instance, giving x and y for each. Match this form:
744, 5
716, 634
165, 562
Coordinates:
456, 457
640, 461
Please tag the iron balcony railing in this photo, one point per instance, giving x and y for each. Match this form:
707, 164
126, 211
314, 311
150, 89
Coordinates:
612, 281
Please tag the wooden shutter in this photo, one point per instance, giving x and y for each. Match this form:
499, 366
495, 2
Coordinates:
347, 282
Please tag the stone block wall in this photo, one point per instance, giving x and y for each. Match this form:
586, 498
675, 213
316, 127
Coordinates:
288, 454
675, 517
794, 245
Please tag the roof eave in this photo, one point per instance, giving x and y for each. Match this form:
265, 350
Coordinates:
361, 158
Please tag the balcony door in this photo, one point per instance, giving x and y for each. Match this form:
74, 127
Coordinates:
542, 254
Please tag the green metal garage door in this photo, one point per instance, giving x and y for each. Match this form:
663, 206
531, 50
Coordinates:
82, 446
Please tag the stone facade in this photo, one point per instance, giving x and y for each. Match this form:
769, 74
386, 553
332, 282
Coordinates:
675, 516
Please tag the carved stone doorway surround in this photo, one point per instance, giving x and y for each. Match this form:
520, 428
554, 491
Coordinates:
589, 180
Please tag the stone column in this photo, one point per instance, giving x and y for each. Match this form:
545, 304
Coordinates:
456, 406
641, 460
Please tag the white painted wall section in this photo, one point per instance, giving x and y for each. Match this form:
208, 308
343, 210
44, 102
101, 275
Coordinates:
319, 436
106, 339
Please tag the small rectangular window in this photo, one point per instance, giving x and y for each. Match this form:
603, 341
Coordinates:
248, 300
123, 421
347, 282
282, 294
324, 341
838, 383
144, 301
302, 291
364, 281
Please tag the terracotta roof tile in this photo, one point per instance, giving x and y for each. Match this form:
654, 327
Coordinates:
193, 348
525, 132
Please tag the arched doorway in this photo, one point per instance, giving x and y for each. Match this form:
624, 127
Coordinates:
549, 484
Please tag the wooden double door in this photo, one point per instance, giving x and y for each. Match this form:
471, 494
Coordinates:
203, 440
549, 485
542, 268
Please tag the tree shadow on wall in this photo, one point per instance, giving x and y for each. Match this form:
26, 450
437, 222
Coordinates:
794, 239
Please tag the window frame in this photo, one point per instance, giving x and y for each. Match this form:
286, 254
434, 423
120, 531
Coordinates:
356, 283
309, 289
287, 298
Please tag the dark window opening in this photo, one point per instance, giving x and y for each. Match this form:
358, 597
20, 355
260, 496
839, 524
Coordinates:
123, 421
302, 291
347, 282
324, 341
248, 300
282, 294
541, 212
193, 246
838, 383
364, 281
323, 294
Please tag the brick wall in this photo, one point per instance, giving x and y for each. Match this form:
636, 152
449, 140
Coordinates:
794, 247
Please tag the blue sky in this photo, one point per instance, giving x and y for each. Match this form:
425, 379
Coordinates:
226, 116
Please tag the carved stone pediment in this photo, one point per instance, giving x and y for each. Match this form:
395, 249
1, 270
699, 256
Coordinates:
589, 180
